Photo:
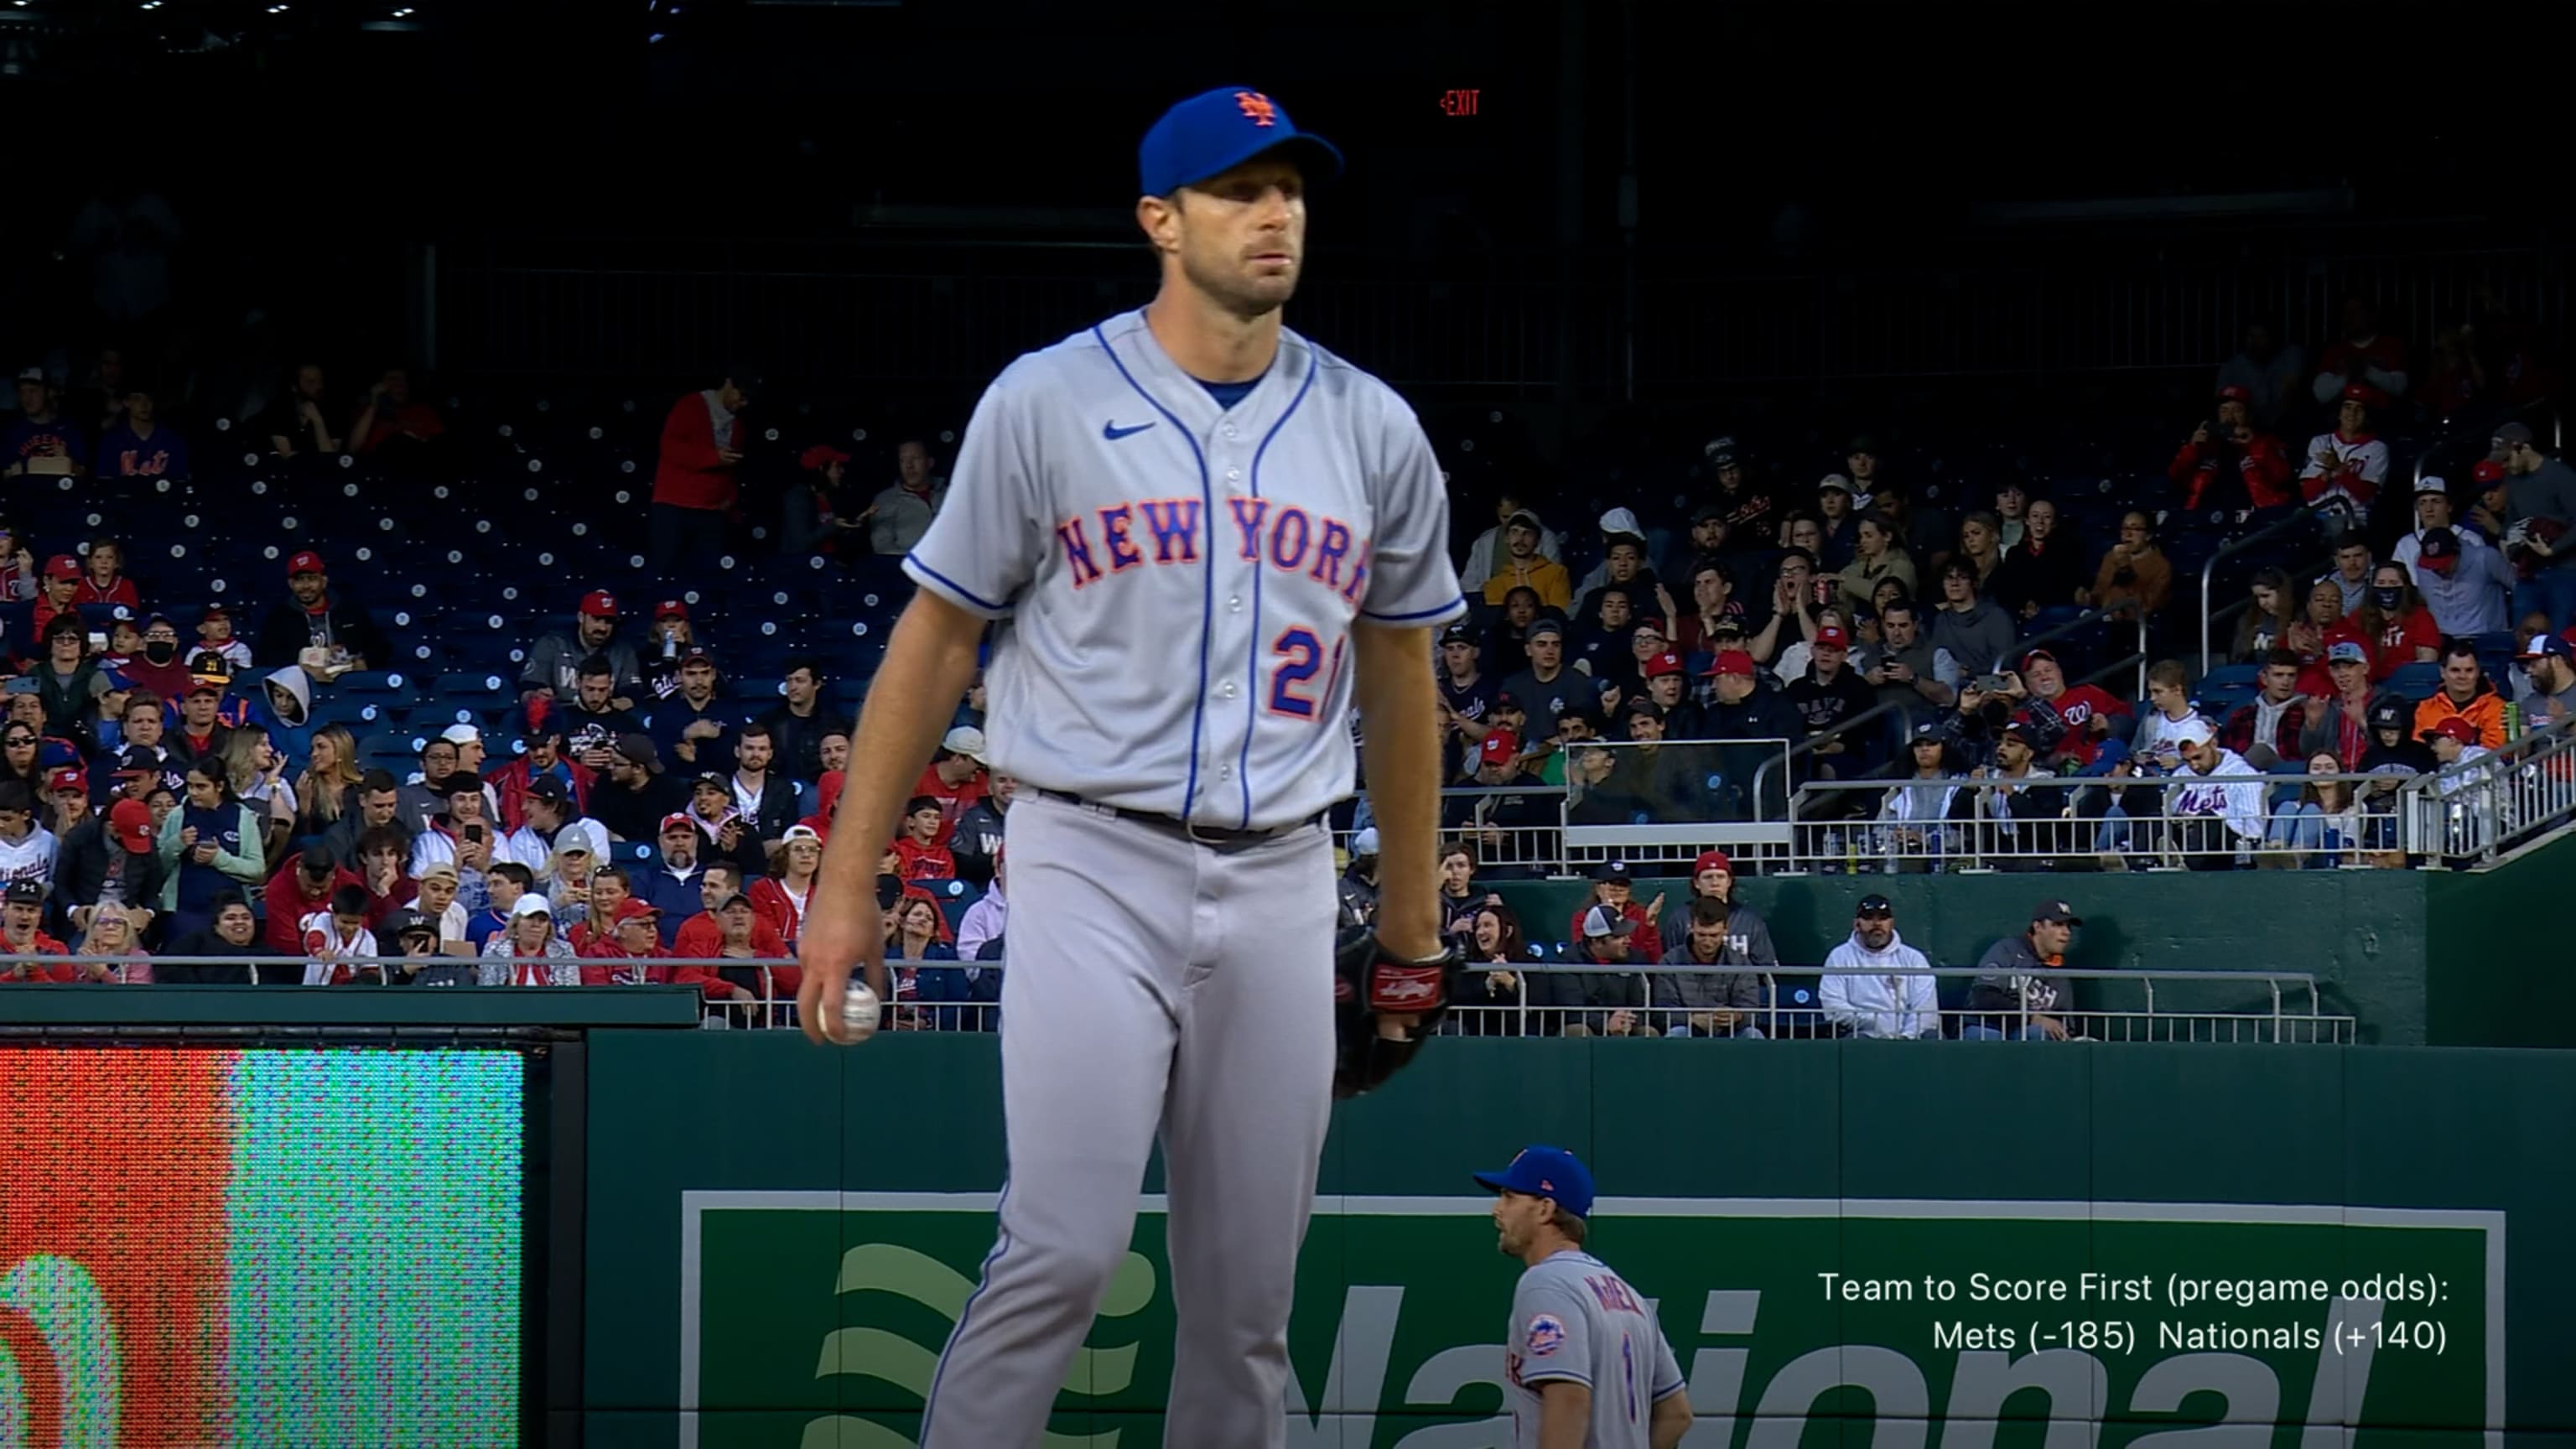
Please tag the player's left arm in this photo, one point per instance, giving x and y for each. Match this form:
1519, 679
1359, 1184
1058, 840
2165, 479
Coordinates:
1670, 1418
1564, 1414
1412, 589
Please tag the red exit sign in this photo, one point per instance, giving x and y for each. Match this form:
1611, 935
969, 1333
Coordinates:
1460, 102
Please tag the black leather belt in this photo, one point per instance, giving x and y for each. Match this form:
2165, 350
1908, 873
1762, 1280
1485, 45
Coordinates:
1204, 834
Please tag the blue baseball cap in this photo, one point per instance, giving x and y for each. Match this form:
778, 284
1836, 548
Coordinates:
1215, 131
1548, 1172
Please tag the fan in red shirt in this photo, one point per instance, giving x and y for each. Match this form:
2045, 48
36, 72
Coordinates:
22, 915
2087, 709
105, 581
955, 777
2406, 631
2231, 465
2322, 627
1613, 886
781, 898
730, 927
921, 852
702, 442
59, 593
637, 937
828, 793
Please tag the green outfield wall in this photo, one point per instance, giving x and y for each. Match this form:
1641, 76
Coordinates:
2438, 958
779, 1238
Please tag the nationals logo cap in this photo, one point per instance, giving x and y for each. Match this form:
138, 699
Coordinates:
1549, 1172
1215, 131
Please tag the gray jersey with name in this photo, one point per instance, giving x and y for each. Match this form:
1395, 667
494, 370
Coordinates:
1176, 581
1573, 1319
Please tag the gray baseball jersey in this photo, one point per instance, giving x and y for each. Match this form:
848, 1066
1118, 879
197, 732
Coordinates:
1574, 1319
1176, 579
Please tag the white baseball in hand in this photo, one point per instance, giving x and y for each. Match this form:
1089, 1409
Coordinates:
858, 1022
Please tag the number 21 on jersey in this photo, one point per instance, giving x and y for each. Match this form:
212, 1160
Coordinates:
1296, 657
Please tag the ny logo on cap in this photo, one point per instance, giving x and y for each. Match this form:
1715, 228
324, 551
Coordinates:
1257, 106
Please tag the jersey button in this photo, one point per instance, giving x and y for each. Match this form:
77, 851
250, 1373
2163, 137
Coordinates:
1234, 475
1226, 689
1234, 603
1229, 430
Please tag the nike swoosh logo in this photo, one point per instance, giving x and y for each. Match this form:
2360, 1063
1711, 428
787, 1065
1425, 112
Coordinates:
1113, 432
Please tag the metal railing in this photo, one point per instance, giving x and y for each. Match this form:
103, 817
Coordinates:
1467, 812
1667, 806
1538, 998
2021, 647
1982, 822
1753, 1002
2209, 574
2479, 809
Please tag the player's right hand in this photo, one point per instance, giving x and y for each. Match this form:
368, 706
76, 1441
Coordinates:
835, 939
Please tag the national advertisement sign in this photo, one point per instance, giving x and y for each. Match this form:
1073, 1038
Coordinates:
813, 1320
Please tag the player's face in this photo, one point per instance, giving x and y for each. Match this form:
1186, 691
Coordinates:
1239, 238
1517, 1219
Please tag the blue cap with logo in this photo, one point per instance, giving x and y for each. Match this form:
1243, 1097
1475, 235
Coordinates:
1215, 131
1548, 1172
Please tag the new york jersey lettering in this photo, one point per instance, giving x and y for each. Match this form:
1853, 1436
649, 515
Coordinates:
1176, 572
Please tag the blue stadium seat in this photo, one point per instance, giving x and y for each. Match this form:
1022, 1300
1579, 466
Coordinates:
2218, 703
2231, 676
394, 751
2414, 681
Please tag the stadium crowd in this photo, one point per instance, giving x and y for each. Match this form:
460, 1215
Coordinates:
186, 777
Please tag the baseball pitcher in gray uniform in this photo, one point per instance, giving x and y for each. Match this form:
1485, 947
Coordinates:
1588, 1364
1200, 540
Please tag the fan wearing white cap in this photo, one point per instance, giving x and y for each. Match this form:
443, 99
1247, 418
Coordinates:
956, 777
780, 898
2212, 816
1623, 562
1358, 885
528, 952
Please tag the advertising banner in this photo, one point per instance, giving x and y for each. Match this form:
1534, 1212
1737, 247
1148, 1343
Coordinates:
204, 1247
2142, 1318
